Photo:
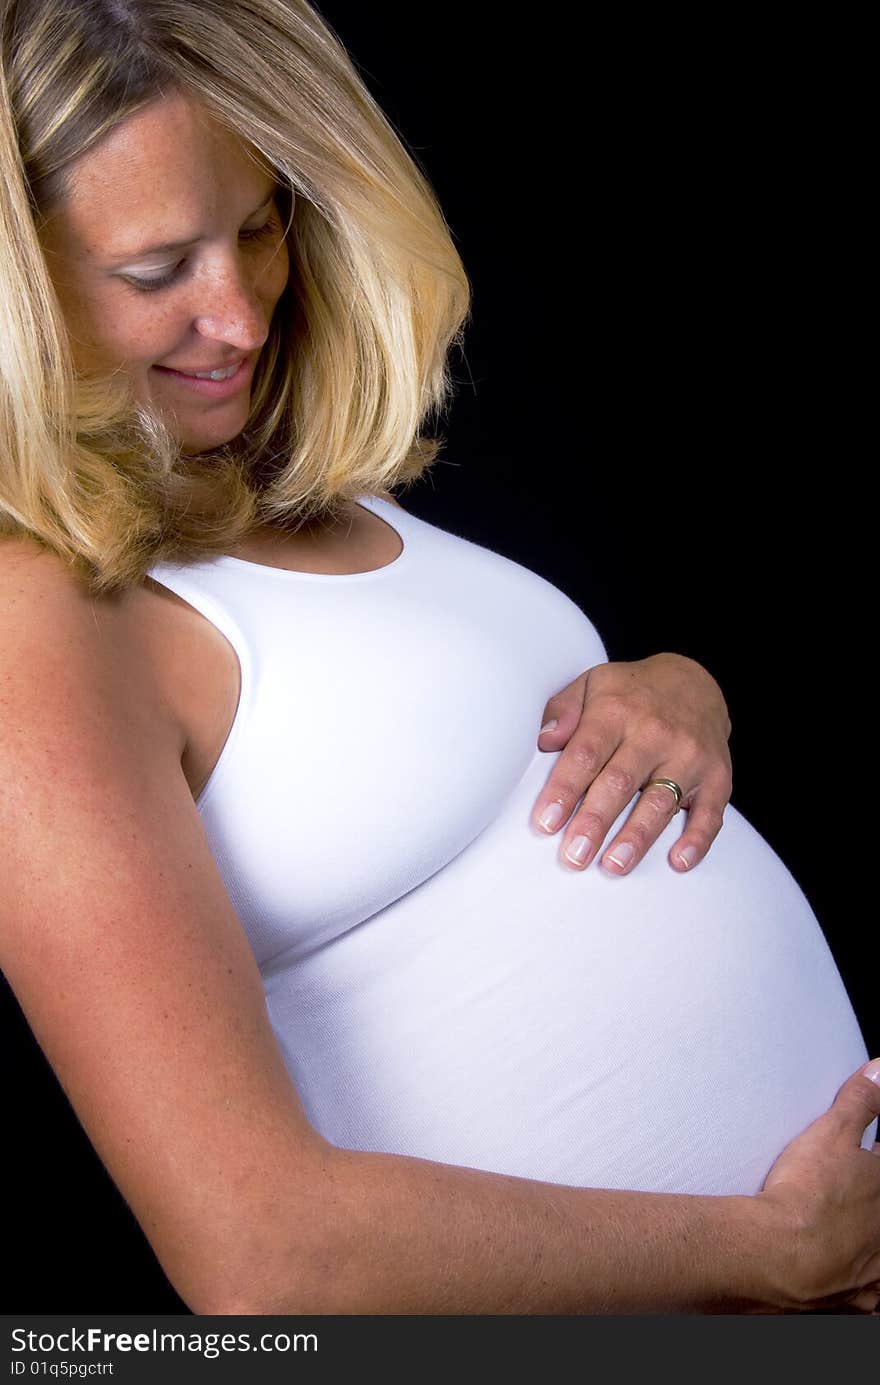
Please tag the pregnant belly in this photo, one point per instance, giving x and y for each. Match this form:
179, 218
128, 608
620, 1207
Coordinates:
658, 1032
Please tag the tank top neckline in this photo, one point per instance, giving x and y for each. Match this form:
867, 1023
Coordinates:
366, 502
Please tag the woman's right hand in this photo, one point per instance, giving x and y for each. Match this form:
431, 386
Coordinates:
825, 1190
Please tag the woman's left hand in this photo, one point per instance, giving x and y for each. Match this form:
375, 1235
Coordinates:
622, 724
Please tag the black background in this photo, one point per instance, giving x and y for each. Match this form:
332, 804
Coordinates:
649, 414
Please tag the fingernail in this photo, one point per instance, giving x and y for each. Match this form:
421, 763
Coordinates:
551, 817
688, 856
550, 725
873, 1070
621, 855
578, 849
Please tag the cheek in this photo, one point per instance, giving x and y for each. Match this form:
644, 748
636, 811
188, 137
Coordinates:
138, 332
112, 330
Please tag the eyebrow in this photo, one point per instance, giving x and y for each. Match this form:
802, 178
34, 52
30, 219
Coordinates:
183, 244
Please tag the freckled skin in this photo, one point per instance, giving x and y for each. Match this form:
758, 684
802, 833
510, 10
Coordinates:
169, 173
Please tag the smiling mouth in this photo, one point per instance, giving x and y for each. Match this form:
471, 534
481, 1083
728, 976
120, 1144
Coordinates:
215, 384
219, 373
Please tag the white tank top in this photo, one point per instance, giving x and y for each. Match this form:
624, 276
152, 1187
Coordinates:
439, 984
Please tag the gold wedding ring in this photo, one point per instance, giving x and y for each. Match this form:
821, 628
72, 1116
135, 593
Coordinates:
667, 784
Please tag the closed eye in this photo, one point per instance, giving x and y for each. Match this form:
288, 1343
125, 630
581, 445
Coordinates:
259, 234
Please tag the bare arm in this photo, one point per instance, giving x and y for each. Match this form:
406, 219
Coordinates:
123, 947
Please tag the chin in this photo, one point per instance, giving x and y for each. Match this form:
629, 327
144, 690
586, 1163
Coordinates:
204, 439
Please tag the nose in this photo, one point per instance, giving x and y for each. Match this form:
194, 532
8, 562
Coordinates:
233, 311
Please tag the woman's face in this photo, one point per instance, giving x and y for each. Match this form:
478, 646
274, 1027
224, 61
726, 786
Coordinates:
168, 256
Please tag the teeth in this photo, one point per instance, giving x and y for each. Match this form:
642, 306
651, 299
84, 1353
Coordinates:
216, 374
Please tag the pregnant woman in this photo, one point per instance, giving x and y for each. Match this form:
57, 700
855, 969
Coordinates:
399, 1057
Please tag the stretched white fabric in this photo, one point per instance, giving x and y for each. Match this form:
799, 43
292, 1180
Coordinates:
439, 984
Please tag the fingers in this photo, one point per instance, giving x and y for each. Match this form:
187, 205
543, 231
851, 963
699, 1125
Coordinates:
654, 810
602, 804
607, 794
651, 815
574, 773
704, 820
617, 727
656, 807
857, 1103
866, 1300
562, 715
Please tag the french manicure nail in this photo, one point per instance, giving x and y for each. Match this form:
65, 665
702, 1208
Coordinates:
621, 855
551, 817
578, 849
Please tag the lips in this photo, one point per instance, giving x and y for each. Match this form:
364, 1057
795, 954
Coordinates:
202, 370
211, 389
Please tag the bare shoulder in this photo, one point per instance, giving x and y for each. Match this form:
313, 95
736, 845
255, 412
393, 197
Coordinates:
53, 634
45, 610
31, 575
24, 562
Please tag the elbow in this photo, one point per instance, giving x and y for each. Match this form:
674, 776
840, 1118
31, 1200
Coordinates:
280, 1291
230, 1302
289, 1256
256, 1291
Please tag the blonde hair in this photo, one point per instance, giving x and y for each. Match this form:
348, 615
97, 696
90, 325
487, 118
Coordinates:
356, 359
